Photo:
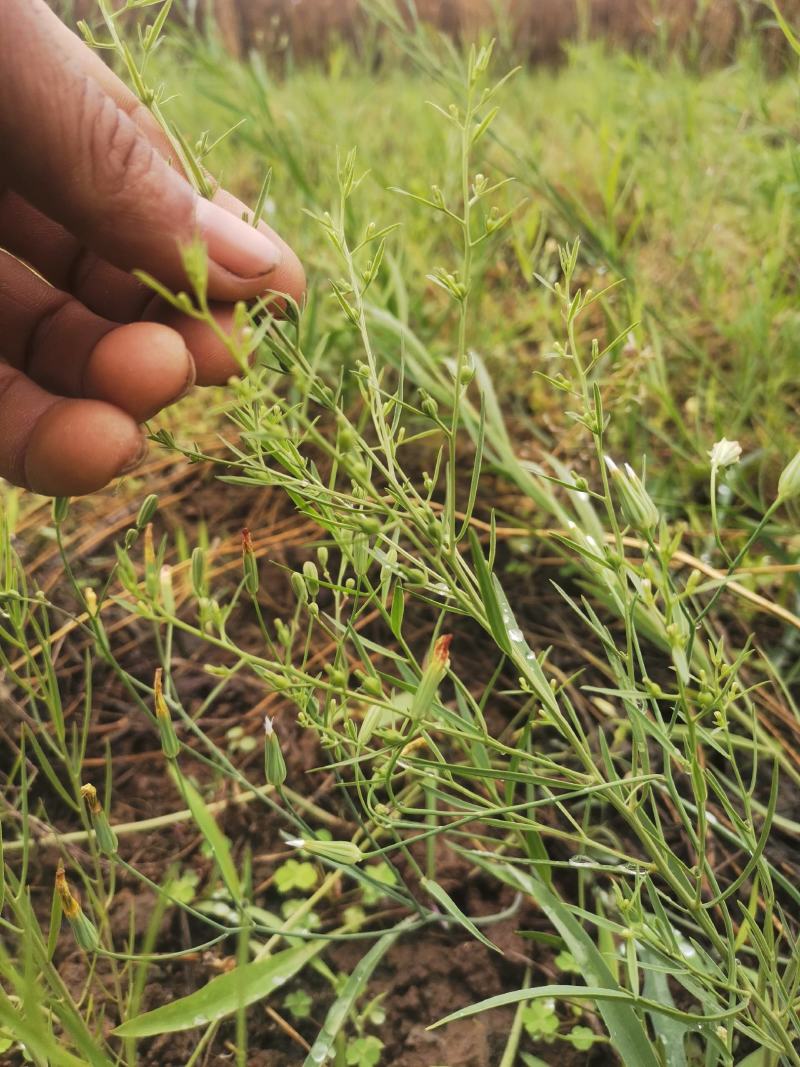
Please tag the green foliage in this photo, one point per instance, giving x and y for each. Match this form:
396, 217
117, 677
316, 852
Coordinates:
364, 1051
468, 364
299, 1003
295, 874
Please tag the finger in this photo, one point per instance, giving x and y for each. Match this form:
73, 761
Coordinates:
62, 447
67, 264
91, 168
213, 362
66, 349
102, 287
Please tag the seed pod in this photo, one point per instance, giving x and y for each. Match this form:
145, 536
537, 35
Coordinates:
360, 554
636, 503
283, 632
335, 851
106, 838
199, 572
249, 563
274, 763
372, 685
432, 675
311, 576
60, 508
322, 556
169, 739
299, 587
147, 510
83, 929
428, 405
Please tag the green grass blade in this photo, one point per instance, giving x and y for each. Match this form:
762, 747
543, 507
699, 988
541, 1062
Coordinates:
488, 595
446, 901
624, 1025
341, 1008
223, 995
207, 825
670, 1034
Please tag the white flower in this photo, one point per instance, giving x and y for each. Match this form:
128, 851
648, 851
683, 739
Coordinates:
725, 453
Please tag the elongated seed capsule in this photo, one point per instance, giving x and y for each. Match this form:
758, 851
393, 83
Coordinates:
274, 763
299, 587
83, 929
249, 563
147, 510
311, 576
199, 572
335, 851
432, 675
636, 503
169, 739
106, 838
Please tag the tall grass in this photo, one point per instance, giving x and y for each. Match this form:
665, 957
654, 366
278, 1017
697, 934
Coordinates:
634, 803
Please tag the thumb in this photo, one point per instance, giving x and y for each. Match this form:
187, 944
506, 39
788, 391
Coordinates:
70, 150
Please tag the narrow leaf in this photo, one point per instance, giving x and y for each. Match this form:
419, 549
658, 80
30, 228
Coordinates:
624, 1025
223, 995
216, 840
452, 909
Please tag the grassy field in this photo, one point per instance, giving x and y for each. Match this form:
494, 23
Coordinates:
517, 595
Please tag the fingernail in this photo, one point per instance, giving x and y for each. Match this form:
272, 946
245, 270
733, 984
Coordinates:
188, 385
137, 459
233, 244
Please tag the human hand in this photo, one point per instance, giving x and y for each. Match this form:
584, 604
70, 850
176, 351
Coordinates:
87, 194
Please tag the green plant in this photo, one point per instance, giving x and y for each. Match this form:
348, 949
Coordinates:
384, 436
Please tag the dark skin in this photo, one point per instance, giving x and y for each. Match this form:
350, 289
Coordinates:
89, 191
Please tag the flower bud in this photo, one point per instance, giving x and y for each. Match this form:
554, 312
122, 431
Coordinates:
60, 508
311, 576
283, 632
335, 851
106, 838
360, 554
372, 685
169, 739
299, 587
428, 404
147, 510
249, 563
789, 481
199, 572
83, 929
432, 675
274, 763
